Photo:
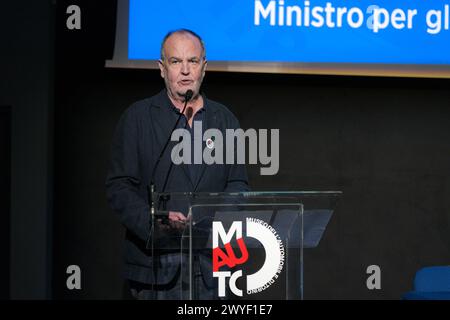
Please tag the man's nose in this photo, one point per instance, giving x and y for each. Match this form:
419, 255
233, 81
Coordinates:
185, 68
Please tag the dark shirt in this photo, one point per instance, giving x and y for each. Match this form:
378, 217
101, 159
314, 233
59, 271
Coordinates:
192, 168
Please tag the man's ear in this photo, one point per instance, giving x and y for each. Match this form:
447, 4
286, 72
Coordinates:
161, 67
205, 65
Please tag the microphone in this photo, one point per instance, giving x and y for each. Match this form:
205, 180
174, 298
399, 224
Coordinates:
151, 187
188, 96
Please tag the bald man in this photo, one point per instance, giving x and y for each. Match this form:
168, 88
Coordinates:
138, 141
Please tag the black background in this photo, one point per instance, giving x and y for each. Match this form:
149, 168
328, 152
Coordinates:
383, 141
5, 186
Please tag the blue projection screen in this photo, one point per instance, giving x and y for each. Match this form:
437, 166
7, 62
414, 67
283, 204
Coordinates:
353, 37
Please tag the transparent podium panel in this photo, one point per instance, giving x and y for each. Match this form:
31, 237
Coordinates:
237, 245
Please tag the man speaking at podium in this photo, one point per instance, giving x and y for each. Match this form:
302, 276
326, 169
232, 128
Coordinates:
141, 155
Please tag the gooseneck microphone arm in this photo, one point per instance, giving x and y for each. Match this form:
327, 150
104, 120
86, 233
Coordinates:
187, 98
151, 186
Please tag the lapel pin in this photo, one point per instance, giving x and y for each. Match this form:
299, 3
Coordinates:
209, 143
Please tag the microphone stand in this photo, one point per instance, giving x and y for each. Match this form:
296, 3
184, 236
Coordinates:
151, 190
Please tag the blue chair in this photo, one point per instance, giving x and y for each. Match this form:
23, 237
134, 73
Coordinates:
431, 283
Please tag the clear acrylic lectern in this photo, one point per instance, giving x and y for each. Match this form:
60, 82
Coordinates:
246, 245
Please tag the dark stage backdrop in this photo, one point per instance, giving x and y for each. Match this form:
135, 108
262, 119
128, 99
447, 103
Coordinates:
5, 196
383, 142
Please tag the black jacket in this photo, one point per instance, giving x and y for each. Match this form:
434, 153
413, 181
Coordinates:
139, 138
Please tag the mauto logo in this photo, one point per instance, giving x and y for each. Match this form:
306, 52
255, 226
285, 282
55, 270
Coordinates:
261, 279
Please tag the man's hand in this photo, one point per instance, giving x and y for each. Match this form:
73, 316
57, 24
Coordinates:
177, 220
176, 216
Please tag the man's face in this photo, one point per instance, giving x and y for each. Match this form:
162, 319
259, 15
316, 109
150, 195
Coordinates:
183, 67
